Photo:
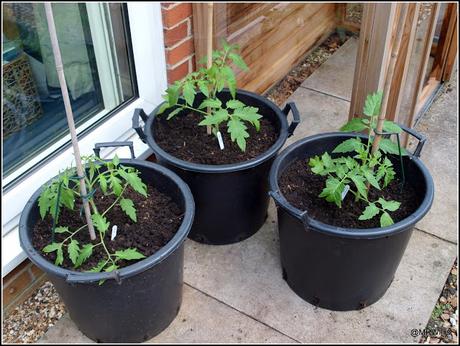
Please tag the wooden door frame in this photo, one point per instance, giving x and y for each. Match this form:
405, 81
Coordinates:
379, 24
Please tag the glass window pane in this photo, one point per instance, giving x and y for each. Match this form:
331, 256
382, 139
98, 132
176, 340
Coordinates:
96, 57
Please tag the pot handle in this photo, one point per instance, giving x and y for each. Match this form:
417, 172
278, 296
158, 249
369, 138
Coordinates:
280, 201
290, 106
421, 139
139, 112
84, 278
98, 146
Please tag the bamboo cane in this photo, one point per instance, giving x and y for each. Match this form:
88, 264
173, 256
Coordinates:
209, 48
69, 114
389, 78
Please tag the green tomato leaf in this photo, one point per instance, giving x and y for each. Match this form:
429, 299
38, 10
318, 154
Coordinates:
174, 113
327, 161
52, 247
360, 185
127, 206
317, 165
213, 103
129, 254
133, 179
389, 176
67, 197
115, 184
44, 202
238, 132
116, 160
354, 125
103, 183
100, 222
369, 175
59, 256
352, 144
173, 94
333, 191
189, 92
389, 126
370, 211
85, 253
203, 86
101, 264
386, 220
164, 106
73, 250
372, 104
234, 104
238, 61
216, 118
390, 147
62, 229
111, 268
229, 76
389, 205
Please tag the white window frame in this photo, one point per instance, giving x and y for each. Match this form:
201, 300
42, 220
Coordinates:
146, 28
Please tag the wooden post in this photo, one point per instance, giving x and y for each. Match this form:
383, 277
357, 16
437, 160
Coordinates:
209, 47
69, 114
389, 78
373, 52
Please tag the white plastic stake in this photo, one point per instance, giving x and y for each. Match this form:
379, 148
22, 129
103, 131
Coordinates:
114, 232
345, 191
221, 141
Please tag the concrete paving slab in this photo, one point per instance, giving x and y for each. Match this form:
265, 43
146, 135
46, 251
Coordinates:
201, 319
440, 155
319, 113
335, 76
247, 276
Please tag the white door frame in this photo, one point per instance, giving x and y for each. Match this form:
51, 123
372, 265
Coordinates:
146, 28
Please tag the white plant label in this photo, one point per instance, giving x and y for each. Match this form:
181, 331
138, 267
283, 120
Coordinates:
221, 141
345, 191
114, 232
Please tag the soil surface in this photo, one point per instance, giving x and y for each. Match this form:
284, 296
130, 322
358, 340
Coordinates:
301, 187
158, 219
183, 138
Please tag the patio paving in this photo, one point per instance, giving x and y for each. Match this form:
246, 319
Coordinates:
235, 293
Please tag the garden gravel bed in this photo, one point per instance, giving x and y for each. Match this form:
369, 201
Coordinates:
442, 326
30, 320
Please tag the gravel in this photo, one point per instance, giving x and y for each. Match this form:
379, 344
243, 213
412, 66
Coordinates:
31, 319
442, 326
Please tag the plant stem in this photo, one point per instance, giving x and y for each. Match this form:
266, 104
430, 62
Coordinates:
194, 109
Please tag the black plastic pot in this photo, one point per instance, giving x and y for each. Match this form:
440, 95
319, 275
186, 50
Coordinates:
232, 199
342, 268
136, 302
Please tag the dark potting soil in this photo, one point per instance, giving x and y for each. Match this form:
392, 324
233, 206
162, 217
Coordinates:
183, 138
301, 187
158, 220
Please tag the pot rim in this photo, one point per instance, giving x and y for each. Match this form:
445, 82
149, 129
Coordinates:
226, 168
368, 233
125, 272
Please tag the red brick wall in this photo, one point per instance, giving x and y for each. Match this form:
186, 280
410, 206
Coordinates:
178, 38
